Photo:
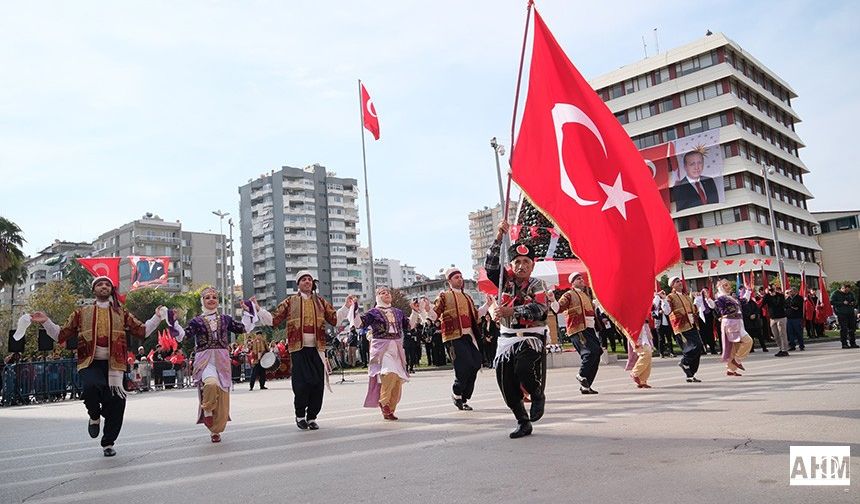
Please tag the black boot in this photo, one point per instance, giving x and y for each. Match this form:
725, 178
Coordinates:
524, 428
537, 407
94, 428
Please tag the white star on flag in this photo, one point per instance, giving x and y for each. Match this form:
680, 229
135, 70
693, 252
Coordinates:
616, 196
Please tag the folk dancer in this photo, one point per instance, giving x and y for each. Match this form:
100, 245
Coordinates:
639, 352
386, 370
579, 310
101, 330
461, 328
256, 348
306, 314
212, 374
521, 311
682, 316
735, 339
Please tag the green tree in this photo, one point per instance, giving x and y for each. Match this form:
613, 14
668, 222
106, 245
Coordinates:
11, 256
664, 283
79, 278
57, 300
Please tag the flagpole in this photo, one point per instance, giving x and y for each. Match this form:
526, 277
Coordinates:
366, 197
513, 126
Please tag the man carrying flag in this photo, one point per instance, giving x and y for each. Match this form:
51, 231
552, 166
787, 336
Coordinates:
610, 194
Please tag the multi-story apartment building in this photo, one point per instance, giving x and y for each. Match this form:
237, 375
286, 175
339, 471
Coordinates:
195, 258
483, 225
388, 272
46, 266
714, 88
298, 219
839, 237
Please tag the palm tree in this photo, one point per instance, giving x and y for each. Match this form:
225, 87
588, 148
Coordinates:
11, 256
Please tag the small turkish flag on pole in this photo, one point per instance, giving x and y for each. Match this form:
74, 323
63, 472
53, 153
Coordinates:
574, 160
368, 113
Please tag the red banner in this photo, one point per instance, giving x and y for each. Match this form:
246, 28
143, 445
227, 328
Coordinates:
368, 113
102, 266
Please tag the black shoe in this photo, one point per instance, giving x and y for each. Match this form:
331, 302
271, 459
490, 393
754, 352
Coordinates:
523, 429
466, 407
302, 424
792, 348
854, 346
536, 409
109, 451
312, 425
845, 346
781, 353
582, 381
587, 390
263, 388
802, 348
693, 379
94, 428
252, 388
764, 350
458, 403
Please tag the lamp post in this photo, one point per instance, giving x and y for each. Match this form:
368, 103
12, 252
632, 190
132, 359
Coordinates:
221, 216
778, 250
232, 297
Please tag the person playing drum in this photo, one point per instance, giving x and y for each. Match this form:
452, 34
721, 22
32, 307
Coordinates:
257, 349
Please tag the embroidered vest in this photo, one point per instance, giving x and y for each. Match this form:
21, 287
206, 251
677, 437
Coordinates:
578, 306
295, 326
681, 307
87, 338
458, 313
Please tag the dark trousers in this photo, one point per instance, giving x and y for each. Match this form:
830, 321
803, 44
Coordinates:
693, 349
588, 347
308, 380
413, 355
467, 362
258, 373
757, 334
814, 330
428, 349
101, 402
795, 332
607, 338
489, 351
523, 368
706, 333
847, 330
664, 342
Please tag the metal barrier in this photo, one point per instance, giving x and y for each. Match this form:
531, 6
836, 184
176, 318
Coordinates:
33, 382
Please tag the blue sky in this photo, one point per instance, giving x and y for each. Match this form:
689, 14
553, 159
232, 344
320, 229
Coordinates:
109, 110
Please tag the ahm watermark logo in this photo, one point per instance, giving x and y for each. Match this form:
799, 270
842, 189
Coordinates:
820, 465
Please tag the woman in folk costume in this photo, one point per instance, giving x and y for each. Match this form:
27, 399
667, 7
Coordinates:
736, 341
639, 355
387, 367
211, 372
100, 329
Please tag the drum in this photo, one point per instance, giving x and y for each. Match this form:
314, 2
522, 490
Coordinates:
270, 360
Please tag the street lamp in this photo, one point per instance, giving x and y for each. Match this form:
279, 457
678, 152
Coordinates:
765, 171
232, 297
221, 216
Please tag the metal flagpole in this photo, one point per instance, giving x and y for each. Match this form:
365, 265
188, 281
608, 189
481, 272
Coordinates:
366, 195
513, 126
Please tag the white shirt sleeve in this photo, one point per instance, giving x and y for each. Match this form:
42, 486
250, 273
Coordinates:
555, 306
180, 331
151, 324
667, 308
342, 314
711, 303
414, 318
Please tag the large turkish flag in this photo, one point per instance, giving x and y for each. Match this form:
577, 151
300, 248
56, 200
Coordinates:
576, 163
102, 266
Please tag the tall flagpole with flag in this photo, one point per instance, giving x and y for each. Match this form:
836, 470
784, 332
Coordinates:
369, 121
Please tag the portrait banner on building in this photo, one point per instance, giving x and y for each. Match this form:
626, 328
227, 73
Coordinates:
148, 271
688, 171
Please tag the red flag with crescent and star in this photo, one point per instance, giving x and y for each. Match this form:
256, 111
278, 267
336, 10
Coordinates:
368, 113
576, 163
102, 266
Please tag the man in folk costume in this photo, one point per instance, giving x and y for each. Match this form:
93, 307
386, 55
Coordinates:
461, 328
306, 315
735, 340
101, 330
682, 316
386, 368
521, 311
639, 352
212, 373
256, 348
579, 310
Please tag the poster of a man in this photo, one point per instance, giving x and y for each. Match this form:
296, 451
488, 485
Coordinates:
699, 179
148, 271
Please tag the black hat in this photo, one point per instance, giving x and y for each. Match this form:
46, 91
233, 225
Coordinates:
521, 249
